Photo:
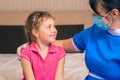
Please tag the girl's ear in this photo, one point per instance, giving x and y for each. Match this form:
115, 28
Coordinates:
35, 32
115, 13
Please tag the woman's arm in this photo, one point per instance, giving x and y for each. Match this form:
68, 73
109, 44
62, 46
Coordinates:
66, 44
27, 69
60, 70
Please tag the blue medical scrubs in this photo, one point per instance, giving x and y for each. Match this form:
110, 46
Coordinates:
102, 55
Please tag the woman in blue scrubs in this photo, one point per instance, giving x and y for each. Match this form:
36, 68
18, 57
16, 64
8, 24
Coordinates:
101, 41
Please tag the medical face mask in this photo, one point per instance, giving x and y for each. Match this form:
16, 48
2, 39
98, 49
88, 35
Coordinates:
98, 21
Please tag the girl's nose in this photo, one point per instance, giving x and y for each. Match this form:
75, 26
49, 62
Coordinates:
54, 29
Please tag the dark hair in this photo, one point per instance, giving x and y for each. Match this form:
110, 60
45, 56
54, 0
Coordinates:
34, 21
108, 5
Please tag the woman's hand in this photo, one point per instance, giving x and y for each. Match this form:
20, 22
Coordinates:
20, 48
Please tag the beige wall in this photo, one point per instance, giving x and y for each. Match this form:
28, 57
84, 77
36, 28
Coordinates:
51, 5
15, 12
61, 17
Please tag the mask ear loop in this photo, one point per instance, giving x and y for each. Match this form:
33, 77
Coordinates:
115, 19
106, 16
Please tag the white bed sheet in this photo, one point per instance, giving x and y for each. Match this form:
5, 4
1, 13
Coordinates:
75, 68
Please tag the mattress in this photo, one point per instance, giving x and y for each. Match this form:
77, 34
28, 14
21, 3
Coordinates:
75, 69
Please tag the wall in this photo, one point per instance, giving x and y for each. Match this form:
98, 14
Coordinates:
61, 17
15, 12
49, 5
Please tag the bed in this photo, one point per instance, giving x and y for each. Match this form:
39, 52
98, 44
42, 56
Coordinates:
75, 68
13, 36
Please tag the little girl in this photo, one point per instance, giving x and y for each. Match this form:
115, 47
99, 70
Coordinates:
41, 60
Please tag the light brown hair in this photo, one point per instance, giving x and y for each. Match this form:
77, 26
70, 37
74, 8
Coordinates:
33, 22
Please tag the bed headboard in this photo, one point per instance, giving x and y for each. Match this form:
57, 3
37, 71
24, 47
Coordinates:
13, 36
67, 31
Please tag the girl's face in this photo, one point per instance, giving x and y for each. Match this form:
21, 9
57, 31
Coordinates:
46, 32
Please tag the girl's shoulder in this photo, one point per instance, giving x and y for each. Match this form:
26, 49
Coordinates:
29, 47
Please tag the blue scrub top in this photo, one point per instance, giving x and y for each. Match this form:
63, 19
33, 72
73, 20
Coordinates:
102, 55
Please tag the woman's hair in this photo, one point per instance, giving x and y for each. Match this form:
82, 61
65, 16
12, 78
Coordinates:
108, 5
33, 21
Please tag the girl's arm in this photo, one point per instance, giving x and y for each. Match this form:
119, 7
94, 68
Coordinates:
60, 70
27, 69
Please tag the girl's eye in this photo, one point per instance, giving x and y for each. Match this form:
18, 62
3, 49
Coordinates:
49, 27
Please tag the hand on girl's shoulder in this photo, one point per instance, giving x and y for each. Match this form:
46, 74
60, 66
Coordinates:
20, 48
